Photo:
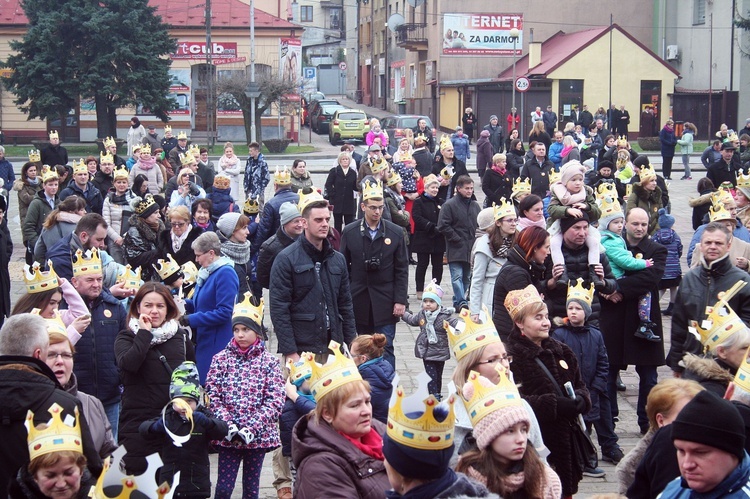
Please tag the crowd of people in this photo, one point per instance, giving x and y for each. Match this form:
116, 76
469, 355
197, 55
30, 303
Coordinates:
143, 331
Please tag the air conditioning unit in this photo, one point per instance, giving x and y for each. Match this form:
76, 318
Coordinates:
673, 52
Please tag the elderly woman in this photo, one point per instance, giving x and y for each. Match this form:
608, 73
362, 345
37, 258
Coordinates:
178, 239
232, 229
338, 446
140, 242
341, 190
147, 351
300, 175
187, 190
209, 311
202, 212
531, 347
59, 223
116, 212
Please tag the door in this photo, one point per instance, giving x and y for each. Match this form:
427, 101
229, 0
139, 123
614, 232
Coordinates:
68, 126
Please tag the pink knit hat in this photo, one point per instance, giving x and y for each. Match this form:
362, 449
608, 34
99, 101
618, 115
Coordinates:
571, 169
495, 423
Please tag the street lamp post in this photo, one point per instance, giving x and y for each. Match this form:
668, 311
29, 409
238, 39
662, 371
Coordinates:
252, 86
514, 34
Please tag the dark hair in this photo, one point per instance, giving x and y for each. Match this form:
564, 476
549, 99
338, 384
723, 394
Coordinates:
29, 301
298, 161
531, 239
25, 169
253, 145
70, 204
89, 223
527, 203
717, 227
463, 180
532, 144
610, 136
513, 144
138, 183
496, 238
371, 345
705, 184
91, 158
206, 204
316, 204
62, 170
202, 150
153, 287
489, 466
716, 142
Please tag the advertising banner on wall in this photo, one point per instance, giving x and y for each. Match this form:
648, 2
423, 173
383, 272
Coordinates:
290, 59
221, 52
481, 34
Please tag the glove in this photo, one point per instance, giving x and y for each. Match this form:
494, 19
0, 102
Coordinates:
184, 321
580, 404
567, 408
232, 432
246, 435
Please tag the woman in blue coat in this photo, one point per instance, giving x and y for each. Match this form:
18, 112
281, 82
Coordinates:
209, 311
668, 143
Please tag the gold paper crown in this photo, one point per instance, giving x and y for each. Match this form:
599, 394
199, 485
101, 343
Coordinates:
742, 378
488, 397
622, 141
245, 308
167, 128
473, 335
421, 135
57, 436
406, 156
722, 196
579, 292
80, 167
251, 206
106, 158
38, 281
187, 159
35, 156
445, 142
182, 136
112, 479
282, 177
718, 211
130, 279
521, 187
121, 172
447, 172
339, 371
145, 149
144, 204
609, 206
393, 179
109, 142
49, 173
606, 189
378, 165
424, 432
519, 299
195, 150
647, 173
190, 271
372, 190
298, 370
732, 137
307, 198
166, 268
504, 209
743, 181
55, 324
721, 321
88, 264
221, 181
53, 135
554, 177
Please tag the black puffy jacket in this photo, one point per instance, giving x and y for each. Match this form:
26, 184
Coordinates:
269, 250
426, 238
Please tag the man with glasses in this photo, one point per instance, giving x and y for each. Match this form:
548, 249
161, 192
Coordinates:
376, 256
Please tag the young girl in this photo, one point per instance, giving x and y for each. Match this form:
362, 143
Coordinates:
624, 167
503, 461
432, 342
376, 132
299, 402
245, 387
667, 237
229, 165
367, 352
571, 198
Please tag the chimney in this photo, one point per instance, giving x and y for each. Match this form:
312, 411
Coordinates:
535, 54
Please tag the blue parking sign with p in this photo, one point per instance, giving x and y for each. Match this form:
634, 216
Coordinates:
309, 73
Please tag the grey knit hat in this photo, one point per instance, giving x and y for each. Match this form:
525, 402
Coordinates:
288, 212
227, 223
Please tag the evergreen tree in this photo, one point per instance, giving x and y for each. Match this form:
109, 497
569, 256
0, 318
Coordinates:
113, 52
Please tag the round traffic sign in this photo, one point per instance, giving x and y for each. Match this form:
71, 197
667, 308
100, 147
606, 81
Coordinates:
522, 84
342, 66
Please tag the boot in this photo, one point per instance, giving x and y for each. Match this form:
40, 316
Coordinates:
594, 278
562, 282
668, 310
646, 332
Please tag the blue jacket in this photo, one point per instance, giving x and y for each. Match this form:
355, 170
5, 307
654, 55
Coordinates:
379, 373
94, 199
668, 142
95, 363
291, 413
673, 243
223, 202
740, 232
6, 173
270, 220
554, 153
256, 176
461, 147
210, 315
587, 343
736, 484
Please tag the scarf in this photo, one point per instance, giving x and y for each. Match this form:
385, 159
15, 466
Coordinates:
371, 444
499, 170
239, 253
398, 198
66, 216
511, 482
146, 165
204, 272
146, 231
525, 223
178, 240
566, 197
429, 326
502, 251
202, 226
565, 151
33, 181
160, 334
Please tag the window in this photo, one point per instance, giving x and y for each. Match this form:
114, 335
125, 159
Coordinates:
699, 12
306, 14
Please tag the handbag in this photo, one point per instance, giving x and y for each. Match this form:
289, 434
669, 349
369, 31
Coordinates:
584, 453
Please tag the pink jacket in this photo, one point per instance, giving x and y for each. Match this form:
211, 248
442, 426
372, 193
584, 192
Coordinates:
76, 308
371, 138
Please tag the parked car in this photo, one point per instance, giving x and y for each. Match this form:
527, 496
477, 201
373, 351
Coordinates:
307, 100
322, 115
348, 124
395, 125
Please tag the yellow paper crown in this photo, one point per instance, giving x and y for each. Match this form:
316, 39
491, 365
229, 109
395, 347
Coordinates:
339, 371
606, 189
57, 436
251, 206
190, 271
129, 278
166, 268
144, 204
182, 136
38, 281
406, 156
447, 172
298, 370
473, 335
732, 137
579, 292
742, 378
554, 177
718, 211
195, 150
424, 432
504, 209
609, 206
743, 181
146, 149
109, 142
112, 479
393, 179
88, 264
282, 177
53, 134
372, 190
622, 141
35, 156
521, 187
647, 173
55, 324
488, 397
80, 167
245, 308
121, 172
49, 173
519, 299
722, 196
167, 128
106, 158
445, 142
307, 197
721, 321
187, 159
378, 165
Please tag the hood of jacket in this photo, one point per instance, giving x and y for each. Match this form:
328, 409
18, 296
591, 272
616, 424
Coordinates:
645, 195
664, 236
701, 368
700, 200
25, 381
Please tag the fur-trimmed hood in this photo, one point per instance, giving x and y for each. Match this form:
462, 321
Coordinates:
644, 194
700, 200
711, 373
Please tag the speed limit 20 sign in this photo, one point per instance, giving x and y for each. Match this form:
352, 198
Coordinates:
522, 84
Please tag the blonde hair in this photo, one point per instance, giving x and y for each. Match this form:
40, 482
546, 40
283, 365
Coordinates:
179, 212
332, 401
569, 141
537, 128
49, 460
341, 155
498, 157
528, 311
662, 397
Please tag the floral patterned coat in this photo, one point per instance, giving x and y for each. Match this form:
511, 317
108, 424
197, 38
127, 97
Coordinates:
247, 389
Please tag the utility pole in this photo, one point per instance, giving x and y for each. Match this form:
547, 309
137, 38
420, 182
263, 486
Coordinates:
710, 72
253, 136
210, 102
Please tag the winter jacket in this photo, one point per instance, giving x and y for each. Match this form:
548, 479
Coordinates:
145, 386
542, 137
167, 144
61, 255
699, 289
739, 232
99, 426
669, 239
269, 250
459, 169
451, 485
516, 160
668, 142
733, 486
379, 373
485, 269
484, 155
627, 466
290, 414
423, 160
37, 213
461, 147
325, 460
154, 176
116, 211
210, 314
423, 349
54, 155
657, 467
458, 223
141, 248
152, 140
171, 186
270, 220
427, 133
587, 344
25, 486
496, 186
399, 216
558, 211
103, 182
686, 142
6, 173
721, 171
95, 363
27, 383
620, 259
310, 301
299, 183
648, 200
555, 154
539, 175
222, 202
66, 224
555, 412
710, 156
711, 373
340, 189
246, 388
206, 173
92, 196
425, 213
26, 194
185, 253
256, 176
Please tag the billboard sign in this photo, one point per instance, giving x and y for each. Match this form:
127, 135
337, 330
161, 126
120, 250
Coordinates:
290, 59
481, 34
221, 53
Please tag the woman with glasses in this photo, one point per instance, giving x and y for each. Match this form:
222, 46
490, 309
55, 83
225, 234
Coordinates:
178, 239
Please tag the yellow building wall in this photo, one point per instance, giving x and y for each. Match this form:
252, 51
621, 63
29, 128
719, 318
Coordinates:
449, 108
11, 118
630, 65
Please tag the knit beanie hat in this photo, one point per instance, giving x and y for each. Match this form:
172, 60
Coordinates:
585, 306
605, 164
422, 464
570, 170
185, 382
666, 221
495, 423
227, 223
568, 222
641, 161
493, 117
605, 220
433, 292
486, 218
288, 212
710, 420
484, 133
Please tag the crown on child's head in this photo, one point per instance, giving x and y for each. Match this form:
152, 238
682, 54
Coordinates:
742, 378
608, 206
521, 187
251, 206
38, 281
473, 335
606, 189
113, 480
145, 149
579, 292
424, 432
371, 190
130, 279
56, 436
487, 397
721, 321
109, 142
166, 268
190, 272
53, 134
622, 141
35, 156
299, 371
504, 209
89, 263
80, 167
245, 308
339, 371
433, 287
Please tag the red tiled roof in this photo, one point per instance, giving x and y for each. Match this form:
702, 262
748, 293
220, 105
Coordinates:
180, 14
560, 47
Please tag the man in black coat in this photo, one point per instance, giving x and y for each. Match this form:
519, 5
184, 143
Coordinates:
425, 131
376, 256
27, 383
450, 163
496, 134
550, 121
725, 169
586, 118
292, 225
619, 319
623, 122
538, 169
54, 154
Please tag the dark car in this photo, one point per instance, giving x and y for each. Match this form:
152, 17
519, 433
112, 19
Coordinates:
395, 125
313, 105
322, 116
308, 100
